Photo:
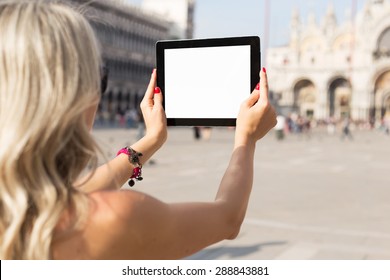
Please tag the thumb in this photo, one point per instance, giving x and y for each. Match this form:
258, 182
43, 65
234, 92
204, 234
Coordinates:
253, 98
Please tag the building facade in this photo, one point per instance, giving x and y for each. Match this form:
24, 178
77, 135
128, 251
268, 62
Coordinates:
179, 12
128, 35
333, 70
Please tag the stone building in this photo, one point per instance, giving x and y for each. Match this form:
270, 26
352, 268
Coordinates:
128, 35
179, 12
333, 70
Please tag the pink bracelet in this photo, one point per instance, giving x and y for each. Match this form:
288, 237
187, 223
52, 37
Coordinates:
134, 160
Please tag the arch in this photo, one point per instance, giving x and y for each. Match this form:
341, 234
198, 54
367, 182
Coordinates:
381, 95
312, 43
110, 96
120, 104
138, 98
382, 80
339, 97
386, 106
109, 105
384, 39
383, 44
343, 41
128, 100
305, 95
381, 25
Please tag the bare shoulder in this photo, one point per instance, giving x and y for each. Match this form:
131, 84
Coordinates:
117, 227
133, 225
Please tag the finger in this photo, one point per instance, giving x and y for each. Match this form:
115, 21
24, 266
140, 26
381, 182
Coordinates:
152, 84
158, 96
263, 85
253, 98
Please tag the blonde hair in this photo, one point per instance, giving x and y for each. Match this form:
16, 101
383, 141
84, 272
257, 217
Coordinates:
49, 76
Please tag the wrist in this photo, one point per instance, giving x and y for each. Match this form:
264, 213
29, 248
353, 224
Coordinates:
134, 159
156, 138
244, 140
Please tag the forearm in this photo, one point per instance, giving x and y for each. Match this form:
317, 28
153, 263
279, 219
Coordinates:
236, 184
117, 171
148, 146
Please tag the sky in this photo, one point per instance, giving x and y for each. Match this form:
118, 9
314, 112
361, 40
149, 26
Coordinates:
228, 18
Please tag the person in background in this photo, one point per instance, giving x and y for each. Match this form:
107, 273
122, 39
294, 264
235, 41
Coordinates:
346, 129
197, 133
140, 124
387, 123
280, 127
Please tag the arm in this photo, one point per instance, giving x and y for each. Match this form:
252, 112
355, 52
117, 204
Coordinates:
147, 228
116, 172
255, 119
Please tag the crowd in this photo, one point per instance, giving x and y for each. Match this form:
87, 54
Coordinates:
300, 125
293, 124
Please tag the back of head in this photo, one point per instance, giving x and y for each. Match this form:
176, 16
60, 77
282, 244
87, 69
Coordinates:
49, 76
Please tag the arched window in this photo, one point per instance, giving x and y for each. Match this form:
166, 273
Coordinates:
339, 98
383, 47
305, 95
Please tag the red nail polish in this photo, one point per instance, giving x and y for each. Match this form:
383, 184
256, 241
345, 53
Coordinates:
264, 70
258, 87
157, 90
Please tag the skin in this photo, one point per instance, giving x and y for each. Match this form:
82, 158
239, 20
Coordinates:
132, 225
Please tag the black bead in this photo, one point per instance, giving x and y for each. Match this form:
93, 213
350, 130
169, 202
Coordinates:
140, 178
131, 183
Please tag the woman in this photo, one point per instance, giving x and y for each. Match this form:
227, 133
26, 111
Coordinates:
50, 70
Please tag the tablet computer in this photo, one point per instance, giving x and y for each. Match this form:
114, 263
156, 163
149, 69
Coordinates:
204, 81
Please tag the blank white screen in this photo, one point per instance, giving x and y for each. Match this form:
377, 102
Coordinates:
208, 82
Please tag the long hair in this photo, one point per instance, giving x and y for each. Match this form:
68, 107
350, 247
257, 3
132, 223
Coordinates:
49, 76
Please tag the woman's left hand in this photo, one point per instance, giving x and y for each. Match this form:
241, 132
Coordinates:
153, 112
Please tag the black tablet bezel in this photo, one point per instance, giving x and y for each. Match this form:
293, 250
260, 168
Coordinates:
161, 46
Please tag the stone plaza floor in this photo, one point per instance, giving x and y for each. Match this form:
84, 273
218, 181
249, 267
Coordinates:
314, 197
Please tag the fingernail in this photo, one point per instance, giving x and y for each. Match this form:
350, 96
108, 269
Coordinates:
264, 70
154, 70
157, 90
258, 86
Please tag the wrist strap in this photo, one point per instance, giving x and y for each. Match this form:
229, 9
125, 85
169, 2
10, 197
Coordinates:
134, 160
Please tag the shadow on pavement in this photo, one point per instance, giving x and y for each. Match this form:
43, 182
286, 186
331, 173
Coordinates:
226, 252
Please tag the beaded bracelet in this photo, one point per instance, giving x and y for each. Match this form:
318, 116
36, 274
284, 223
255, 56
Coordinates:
134, 160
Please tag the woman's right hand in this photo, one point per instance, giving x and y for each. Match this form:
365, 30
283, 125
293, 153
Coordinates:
256, 116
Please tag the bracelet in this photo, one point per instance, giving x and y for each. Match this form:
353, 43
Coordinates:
134, 160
